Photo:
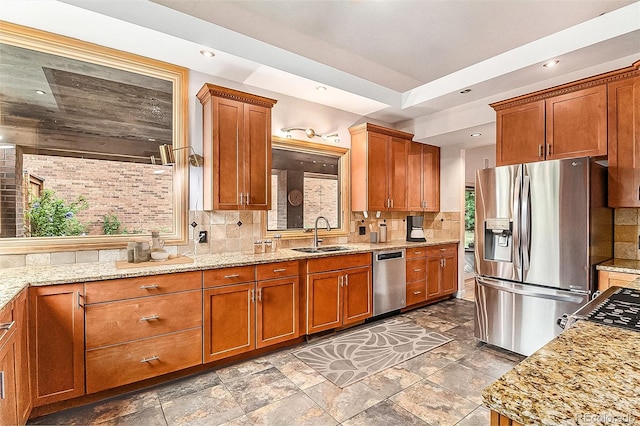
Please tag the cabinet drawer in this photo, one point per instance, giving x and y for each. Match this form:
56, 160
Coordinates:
442, 249
416, 269
226, 276
335, 263
7, 321
129, 288
141, 359
416, 292
416, 252
125, 320
276, 270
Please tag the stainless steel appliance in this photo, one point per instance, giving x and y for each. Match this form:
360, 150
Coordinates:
389, 281
540, 230
616, 307
414, 229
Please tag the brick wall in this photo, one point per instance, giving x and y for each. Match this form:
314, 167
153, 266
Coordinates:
141, 199
11, 211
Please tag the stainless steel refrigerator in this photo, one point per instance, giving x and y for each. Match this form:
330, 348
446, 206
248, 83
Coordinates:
540, 230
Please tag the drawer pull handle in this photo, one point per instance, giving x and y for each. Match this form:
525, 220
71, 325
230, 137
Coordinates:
280, 270
443, 249
7, 325
2, 391
415, 293
417, 252
151, 358
150, 318
417, 270
148, 287
232, 276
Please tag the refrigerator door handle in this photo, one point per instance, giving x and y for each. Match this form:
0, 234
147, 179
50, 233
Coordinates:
495, 284
525, 216
516, 223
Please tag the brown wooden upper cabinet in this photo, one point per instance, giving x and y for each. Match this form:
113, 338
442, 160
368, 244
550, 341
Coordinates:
423, 178
236, 148
624, 142
378, 168
552, 124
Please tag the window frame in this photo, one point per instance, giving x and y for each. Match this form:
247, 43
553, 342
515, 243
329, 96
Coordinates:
344, 163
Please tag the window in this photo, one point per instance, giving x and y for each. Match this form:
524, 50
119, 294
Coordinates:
80, 125
307, 181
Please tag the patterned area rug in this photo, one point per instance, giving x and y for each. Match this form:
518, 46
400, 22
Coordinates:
347, 358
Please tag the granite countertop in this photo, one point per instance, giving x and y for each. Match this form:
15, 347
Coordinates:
589, 374
620, 265
12, 280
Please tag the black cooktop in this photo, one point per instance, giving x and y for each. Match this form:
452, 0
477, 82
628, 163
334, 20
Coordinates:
620, 309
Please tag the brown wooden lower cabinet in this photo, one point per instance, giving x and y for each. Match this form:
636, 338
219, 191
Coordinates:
117, 365
241, 317
607, 279
23, 379
442, 270
9, 397
500, 420
337, 297
56, 342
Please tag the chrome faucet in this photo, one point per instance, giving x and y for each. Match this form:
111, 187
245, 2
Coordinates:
315, 231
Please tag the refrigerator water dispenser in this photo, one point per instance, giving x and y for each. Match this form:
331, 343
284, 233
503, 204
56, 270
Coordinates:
498, 239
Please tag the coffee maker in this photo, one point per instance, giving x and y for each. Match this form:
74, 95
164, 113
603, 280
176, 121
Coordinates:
414, 229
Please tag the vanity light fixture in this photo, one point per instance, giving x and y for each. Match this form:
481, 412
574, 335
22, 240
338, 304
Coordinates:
311, 133
550, 64
207, 53
167, 155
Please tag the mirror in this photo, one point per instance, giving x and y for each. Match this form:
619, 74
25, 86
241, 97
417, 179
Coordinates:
80, 127
307, 180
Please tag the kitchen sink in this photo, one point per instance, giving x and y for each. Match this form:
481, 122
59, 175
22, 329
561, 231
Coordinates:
320, 249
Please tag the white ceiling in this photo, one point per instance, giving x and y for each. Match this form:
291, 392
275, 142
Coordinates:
401, 62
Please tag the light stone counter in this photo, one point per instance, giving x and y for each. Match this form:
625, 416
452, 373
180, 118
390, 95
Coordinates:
589, 374
620, 265
12, 280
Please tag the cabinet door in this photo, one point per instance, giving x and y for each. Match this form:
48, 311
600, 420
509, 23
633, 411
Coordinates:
56, 335
257, 157
520, 134
449, 273
577, 124
398, 149
324, 301
377, 172
433, 277
8, 410
228, 153
415, 193
624, 143
357, 305
23, 378
276, 311
229, 321
431, 178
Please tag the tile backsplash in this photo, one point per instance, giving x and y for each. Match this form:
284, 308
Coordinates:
233, 231
626, 233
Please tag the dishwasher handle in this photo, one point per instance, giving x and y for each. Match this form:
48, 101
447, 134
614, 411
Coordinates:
390, 255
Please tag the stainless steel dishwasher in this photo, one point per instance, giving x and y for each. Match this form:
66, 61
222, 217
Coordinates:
389, 281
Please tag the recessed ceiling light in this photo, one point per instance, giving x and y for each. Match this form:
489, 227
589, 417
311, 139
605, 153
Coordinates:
551, 63
475, 135
207, 53
465, 91
321, 89
41, 92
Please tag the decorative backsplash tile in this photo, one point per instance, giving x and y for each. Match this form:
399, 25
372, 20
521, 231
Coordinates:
626, 232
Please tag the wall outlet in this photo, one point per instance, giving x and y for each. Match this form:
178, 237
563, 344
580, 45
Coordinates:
202, 237
362, 230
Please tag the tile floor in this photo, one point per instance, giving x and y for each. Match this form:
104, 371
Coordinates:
440, 387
